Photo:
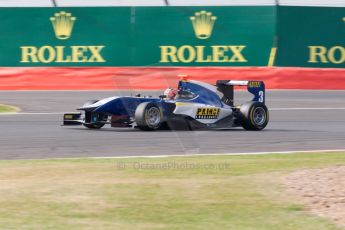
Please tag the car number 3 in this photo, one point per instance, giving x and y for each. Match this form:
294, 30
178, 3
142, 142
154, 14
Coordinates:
261, 96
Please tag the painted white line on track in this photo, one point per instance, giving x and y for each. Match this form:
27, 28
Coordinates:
33, 113
286, 109
270, 109
192, 155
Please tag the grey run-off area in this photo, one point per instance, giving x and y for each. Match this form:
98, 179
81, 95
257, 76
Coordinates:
299, 120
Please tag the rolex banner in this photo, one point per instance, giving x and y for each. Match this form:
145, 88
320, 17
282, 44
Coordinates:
311, 37
137, 36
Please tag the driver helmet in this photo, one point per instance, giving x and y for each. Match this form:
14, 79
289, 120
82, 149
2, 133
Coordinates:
170, 93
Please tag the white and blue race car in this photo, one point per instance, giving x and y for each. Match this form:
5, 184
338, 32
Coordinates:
196, 105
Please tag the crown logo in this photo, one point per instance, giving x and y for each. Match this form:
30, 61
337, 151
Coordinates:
63, 24
203, 24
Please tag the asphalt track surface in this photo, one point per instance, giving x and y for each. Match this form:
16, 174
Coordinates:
299, 120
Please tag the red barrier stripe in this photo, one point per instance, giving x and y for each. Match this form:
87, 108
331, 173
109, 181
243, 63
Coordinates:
99, 78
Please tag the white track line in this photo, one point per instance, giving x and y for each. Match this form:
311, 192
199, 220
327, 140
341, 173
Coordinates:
285, 109
270, 109
33, 113
192, 155
219, 154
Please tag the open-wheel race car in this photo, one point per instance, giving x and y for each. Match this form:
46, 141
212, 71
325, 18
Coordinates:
193, 105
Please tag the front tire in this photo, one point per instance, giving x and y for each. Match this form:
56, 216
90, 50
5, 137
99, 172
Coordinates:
148, 116
254, 115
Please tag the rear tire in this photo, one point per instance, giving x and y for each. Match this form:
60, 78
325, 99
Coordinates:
254, 115
148, 116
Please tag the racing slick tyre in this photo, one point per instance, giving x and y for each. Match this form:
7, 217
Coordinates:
93, 125
148, 116
254, 115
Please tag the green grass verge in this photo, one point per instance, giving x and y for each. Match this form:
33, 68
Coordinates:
211, 192
8, 109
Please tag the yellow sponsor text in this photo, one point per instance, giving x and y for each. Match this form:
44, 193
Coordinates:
202, 54
254, 84
61, 54
207, 113
322, 54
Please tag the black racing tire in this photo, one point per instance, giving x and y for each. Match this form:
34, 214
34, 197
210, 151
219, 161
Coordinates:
148, 116
254, 115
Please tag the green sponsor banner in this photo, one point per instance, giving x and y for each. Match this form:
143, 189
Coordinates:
311, 36
137, 36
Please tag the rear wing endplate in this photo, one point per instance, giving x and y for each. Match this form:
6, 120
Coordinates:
257, 88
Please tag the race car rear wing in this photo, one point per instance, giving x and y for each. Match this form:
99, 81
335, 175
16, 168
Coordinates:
257, 88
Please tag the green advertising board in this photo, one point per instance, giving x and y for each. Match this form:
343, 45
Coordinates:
137, 36
311, 36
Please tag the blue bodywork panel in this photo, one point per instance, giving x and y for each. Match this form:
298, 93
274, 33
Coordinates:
257, 88
124, 105
202, 94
